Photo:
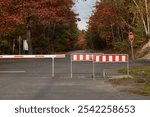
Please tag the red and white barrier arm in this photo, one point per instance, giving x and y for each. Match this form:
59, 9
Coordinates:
111, 58
82, 57
31, 56
60, 56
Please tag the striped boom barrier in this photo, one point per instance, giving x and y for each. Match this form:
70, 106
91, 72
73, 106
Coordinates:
31, 56
112, 58
53, 57
77, 57
82, 57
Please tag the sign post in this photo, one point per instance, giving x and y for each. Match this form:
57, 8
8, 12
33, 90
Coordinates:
53, 67
25, 46
93, 68
71, 66
131, 39
19, 39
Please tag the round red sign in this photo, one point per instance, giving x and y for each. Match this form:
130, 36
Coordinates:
131, 36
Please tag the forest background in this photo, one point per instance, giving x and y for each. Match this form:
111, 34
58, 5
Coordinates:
51, 26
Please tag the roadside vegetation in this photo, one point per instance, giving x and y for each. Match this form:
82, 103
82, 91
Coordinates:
140, 84
48, 26
111, 22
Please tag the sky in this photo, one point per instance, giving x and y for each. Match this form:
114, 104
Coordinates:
84, 9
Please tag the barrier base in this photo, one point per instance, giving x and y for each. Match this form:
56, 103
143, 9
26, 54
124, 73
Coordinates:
120, 76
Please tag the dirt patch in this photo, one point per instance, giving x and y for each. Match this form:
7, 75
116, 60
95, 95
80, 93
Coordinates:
131, 86
144, 53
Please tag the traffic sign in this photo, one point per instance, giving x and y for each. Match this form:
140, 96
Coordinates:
131, 36
25, 45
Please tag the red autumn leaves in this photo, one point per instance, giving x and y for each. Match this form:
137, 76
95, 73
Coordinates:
25, 12
101, 21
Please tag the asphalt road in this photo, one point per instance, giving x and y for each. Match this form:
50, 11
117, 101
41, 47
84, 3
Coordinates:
32, 80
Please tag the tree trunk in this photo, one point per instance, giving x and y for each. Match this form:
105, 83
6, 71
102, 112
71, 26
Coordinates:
118, 30
29, 41
53, 39
147, 16
122, 35
112, 32
146, 24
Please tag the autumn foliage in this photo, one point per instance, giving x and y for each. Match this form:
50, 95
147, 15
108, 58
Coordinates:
112, 20
16, 12
49, 15
82, 43
105, 16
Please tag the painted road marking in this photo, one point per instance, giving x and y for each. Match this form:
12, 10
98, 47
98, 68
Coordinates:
12, 72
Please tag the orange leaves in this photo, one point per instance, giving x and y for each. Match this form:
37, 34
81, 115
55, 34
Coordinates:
16, 12
103, 18
82, 41
104, 14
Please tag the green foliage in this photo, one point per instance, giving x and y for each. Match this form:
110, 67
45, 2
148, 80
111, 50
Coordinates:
113, 20
122, 46
53, 26
4, 47
139, 71
40, 46
55, 38
140, 84
144, 89
95, 42
99, 44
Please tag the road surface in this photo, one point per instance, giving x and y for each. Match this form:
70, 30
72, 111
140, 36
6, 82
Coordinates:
31, 80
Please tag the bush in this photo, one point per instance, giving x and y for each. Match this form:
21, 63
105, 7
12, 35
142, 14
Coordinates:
122, 46
4, 47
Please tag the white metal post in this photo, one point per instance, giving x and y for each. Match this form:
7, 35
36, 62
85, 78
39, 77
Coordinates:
104, 74
71, 66
53, 67
128, 67
93, 68
132, 51
19, 39
13, 46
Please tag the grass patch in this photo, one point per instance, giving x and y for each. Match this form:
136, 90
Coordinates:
139, 85
142, 72
144, 89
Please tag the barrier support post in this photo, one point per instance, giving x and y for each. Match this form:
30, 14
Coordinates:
71, 66
53, 67
93, 69
128, 68
104, 74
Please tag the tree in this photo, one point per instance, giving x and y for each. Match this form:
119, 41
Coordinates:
49, 13
143, 11
112, 20
25, 12
102, 21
